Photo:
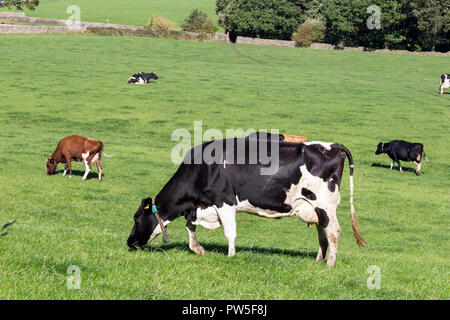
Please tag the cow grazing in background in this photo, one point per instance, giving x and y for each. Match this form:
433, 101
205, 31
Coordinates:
306, 185
80, 149
402, 150
445, 82
142, 78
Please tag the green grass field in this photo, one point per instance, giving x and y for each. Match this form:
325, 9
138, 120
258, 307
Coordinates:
58, 85
131, 12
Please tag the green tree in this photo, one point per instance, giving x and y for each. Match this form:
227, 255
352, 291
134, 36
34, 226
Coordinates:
19, 4
272, 19
433, 22
194, 21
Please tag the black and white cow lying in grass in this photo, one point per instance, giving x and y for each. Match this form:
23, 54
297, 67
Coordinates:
142, 78
445, 82
402, 150
306, 185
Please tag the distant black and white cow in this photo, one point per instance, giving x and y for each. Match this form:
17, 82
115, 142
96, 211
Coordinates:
402, 150
142, 78
445, 82
306, 185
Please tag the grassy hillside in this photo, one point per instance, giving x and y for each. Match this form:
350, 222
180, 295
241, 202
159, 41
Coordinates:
131, 12
59, 85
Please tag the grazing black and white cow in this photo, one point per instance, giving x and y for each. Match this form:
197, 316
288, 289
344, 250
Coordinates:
445, 82
402, 150
142, 78
306, 184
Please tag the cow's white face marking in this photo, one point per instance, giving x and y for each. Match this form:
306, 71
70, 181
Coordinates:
157, 230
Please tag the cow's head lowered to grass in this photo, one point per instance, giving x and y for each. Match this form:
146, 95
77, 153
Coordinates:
51, 165
147, 225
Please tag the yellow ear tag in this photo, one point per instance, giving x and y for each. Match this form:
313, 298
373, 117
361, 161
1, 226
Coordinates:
147, 207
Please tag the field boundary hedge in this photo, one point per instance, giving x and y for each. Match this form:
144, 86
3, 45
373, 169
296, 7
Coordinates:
120, 29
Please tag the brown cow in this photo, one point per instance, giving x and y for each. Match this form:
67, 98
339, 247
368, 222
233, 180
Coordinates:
80, 149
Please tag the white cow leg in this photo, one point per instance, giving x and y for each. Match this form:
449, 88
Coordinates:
86, 164
227, 215
193, 243
65, 169
399, 166
418, 168
333, 233
323, 244
99, 168
392, 165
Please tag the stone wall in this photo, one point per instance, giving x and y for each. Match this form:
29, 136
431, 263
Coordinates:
16, 28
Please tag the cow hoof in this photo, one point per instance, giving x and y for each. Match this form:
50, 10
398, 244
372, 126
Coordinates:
331, 263
70, 177
320, 259
417, 173
199, 250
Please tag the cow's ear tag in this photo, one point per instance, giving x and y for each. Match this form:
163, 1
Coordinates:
147, 207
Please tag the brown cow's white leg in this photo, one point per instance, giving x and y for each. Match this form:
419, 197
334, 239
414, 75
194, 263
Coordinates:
70, 168
227, 215
193, 243
323, 244
86, 164
65, 169
99, 169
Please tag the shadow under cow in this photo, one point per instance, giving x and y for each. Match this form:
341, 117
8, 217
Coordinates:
221, 248
78, 173
405, 169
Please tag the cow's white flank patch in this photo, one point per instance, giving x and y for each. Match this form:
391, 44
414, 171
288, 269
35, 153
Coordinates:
326, 145
207, 218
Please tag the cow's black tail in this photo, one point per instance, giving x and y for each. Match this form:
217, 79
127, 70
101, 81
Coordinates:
359, 240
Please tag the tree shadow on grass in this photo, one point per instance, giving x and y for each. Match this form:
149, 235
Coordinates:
379, 165
79, 173
221, 248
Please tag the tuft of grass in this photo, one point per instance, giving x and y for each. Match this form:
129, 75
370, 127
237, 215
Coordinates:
57, 85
